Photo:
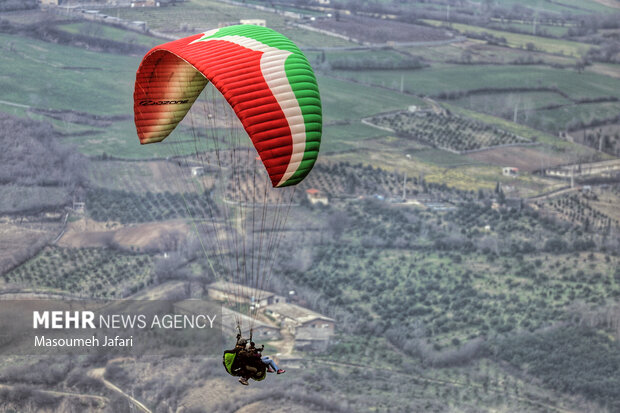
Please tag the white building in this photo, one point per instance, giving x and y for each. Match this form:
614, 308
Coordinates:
316, 197
237, 293
602, 168
255, 22
198, 171
510, 171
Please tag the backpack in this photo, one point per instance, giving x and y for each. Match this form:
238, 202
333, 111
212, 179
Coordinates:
235, 368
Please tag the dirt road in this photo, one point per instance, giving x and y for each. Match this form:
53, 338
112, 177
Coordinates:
101, 400
99, 375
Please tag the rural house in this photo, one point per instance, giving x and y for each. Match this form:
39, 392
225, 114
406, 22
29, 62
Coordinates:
510, 171
312, 330
198, 171
237, 293
255, 22
79, 207
145, 3
260, 331
316, 197
228, 321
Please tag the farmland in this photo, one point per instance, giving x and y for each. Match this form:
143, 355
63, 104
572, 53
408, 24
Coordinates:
99, 273
585, 210
521, 41
442, 80
195, 20
393, 231
106, 99
548, 111
526, 159
471, 289
352, 27
605, 136
111, 33
193, 16
568, 5
36, 62
140, 177
20, 241
453, 133
504, 104
553, 30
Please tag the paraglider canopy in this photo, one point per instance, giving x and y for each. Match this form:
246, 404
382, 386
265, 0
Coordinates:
264, 77
248, 76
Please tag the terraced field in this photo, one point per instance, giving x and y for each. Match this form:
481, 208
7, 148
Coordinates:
521, 41
452, 133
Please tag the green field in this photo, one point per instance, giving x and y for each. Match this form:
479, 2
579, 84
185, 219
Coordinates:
480, 52
521, 130
554, 146
537, 110
83, 81
107, 32
520, 41
308, 39
338, 138
342, 101
553, 30
570, 116
110, 77
348, 100
461, 78
110, 82
559, 6
113, 75
504, 104
359, 58
453, 133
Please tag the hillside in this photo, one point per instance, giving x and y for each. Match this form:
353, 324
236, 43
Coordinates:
462, 270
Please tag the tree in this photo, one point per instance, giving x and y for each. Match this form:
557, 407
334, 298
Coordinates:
466, 56
555, 245
501, 198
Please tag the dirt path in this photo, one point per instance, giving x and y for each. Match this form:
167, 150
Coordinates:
17, 105
285, 346
552, 194
602, 69
437, 109
98, 374
149, 236
101, 400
